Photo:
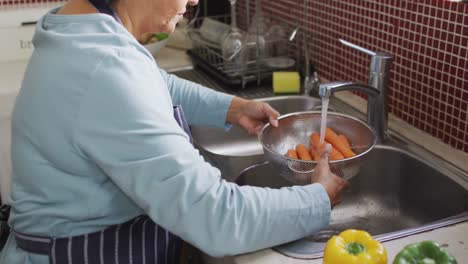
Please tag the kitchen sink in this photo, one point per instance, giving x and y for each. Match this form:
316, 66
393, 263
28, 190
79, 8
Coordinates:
395, 194
400, 190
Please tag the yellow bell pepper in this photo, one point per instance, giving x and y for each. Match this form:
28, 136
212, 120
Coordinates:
354, 247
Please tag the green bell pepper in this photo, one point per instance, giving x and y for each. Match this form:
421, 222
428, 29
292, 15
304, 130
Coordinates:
426, 252
160, 36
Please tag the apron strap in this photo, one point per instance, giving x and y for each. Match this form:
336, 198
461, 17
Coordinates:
34, 244
103, 7
180, 118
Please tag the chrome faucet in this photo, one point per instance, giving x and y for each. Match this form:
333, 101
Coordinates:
376, 89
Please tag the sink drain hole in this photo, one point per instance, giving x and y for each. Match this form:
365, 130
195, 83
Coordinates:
323, 236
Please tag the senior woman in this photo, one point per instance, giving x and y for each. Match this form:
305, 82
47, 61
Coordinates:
103, 171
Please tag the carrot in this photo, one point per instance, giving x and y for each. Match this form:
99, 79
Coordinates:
333, 138
303, 152
314, 153
335, 154
315, 144
292, 154
345, 140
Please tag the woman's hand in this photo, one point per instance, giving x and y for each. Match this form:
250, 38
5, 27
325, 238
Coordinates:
251, 115
334, 185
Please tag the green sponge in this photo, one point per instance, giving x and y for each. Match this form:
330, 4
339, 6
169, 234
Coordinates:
286, 83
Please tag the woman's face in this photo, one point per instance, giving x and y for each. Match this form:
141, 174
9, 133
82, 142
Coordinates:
158, 15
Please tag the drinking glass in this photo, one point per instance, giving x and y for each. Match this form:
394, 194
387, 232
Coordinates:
232, 45
256, 39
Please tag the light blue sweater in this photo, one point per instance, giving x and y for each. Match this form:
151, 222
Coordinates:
95, 144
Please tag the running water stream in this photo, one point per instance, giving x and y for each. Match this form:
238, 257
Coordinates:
323, 121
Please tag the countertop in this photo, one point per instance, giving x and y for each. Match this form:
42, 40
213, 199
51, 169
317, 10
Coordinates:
454, 237
173, 59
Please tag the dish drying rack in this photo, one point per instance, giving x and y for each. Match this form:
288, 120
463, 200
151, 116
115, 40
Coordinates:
207, 55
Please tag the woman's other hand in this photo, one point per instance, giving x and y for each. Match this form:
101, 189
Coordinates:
251, 115
334, 185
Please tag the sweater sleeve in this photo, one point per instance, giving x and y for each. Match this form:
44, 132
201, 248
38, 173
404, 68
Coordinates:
139, 145
202, 105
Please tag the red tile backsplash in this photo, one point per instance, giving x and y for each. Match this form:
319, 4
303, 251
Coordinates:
428, 38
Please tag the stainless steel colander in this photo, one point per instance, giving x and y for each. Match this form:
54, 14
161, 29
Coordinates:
295, 128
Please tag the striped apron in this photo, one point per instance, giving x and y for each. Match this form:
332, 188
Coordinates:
138, 241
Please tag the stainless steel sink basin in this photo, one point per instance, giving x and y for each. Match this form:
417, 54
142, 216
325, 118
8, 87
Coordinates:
395, 194
400, 190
